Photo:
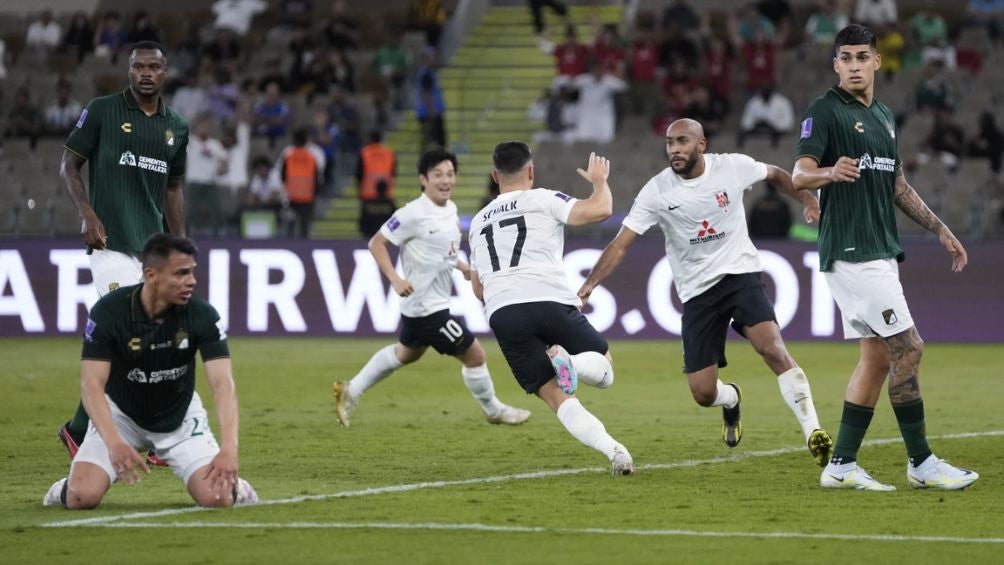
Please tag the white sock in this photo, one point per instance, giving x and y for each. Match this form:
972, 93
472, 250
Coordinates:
797, 395
586, 428
479, 382
727, 396
593, 368
378, 368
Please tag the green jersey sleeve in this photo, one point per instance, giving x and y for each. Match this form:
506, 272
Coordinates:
176, 169
99, 336
85, 136
814, 132
212, 335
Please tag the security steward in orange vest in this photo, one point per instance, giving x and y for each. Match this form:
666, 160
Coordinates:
377, 162
300, 173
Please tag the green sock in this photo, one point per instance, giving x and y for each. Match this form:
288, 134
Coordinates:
78, 425
853, 426
910, 417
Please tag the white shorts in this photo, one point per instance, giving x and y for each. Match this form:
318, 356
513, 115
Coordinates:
114, 269
870, 298
186, 449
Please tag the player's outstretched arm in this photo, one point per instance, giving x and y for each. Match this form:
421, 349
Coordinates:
378, 248
907, 200
222, 471
92, 231
600, 203
611, 257
780, 178
808, 175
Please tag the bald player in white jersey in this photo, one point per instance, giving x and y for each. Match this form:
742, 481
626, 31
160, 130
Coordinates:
517, 244
698, 203
427, 230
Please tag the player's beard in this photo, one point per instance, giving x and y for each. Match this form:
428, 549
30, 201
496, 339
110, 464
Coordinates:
688, 165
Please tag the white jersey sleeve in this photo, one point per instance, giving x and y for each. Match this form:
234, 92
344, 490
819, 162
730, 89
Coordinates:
748, 171
403, 225
645, 211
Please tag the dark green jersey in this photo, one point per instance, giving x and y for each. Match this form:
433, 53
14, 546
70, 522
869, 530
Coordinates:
858, 221
153, 363
131, 157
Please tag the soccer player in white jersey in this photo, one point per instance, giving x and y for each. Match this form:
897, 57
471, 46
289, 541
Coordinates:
698, 203
427, 230
516, 252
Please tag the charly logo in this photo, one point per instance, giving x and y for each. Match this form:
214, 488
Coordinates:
126, 127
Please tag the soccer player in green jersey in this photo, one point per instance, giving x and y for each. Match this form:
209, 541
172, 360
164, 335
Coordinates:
847, 150
138, 381
135, 147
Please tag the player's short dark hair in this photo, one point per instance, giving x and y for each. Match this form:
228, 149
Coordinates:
435, 156
147, 46
511, 156
854, 34
159, 247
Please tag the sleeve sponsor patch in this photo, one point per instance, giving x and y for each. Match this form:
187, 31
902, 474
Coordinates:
393, 223
562, 196
806, 129
83, 118
89, 330
222, 328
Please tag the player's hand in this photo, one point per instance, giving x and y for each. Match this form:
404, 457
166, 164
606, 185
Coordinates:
124, 461
959, 256
597, 170
222, 473
585, 291
92, 231
845, 170
403, 287
811, 211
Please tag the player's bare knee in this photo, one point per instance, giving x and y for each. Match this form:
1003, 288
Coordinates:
704, 397
474, 356
80, 497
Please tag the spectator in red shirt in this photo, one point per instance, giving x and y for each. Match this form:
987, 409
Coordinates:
643, 72
760, 56
607, 50
571, 57
718, 56
678, 87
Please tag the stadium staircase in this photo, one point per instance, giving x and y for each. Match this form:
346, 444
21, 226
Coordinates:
488, 85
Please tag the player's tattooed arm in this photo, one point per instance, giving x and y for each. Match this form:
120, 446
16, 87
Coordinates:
913, 206
905, 350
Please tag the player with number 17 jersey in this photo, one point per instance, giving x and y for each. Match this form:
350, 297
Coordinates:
512, 270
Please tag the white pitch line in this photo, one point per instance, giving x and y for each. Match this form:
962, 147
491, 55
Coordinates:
475, 527
101, 520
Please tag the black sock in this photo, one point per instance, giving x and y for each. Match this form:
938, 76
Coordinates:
62, 493
910, 417
853, 425
78, 425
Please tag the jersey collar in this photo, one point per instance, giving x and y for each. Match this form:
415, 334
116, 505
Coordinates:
845, 96
132, 104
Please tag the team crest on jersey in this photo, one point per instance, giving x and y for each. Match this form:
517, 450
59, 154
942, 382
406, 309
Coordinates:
181, 338
83, 118
113, 286
723, 199
890, 317
169, 137
892, 131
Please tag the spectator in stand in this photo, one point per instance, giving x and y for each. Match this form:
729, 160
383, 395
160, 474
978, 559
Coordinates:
206, 160
707, 110
24, 119
682, 16
608, 51
324, 134
752, 24
989, 143
224, 48
760, 57
339, 71
988, 14
271, 115
558, 111
930, 33
677, 46
375, 212
643, 72
377, 162
302, 164
770, 216
233, 179
780, 14
346, 116
265, 189
273, 73
429, 103
223, 96
191, 99
428, 16
392, 62
873, 13
597, 113
933, 92
677, 88
537, 11
142, 29
61, 115
889, 45
823, 24
946, 141
236, 15
79, 36
340, 13
767, 113
339, 34
111, 38
296, 14
718, 57
571, 58
304, 51
44, 34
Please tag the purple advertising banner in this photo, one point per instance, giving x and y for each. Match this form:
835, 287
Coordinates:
321, 288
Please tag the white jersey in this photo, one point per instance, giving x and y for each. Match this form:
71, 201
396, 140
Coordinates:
517, 245
703, 220
429, 237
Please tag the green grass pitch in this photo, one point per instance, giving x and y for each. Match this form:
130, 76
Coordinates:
422, 478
